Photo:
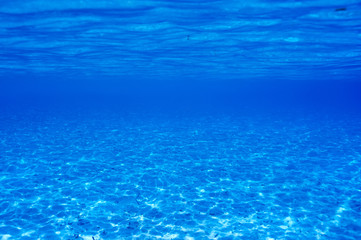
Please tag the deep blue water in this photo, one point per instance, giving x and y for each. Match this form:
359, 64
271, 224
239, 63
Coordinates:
180, 120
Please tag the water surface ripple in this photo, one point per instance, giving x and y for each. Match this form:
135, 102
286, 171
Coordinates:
208, 39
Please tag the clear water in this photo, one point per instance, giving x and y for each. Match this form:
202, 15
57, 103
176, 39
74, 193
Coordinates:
180, 120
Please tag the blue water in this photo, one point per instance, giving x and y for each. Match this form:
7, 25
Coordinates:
180, 120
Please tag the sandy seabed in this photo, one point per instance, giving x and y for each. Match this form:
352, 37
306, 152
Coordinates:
137, 176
